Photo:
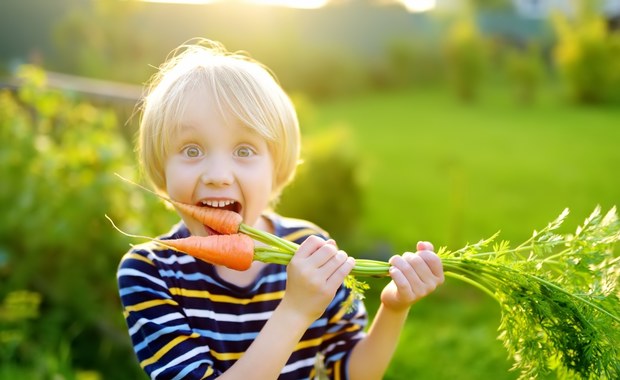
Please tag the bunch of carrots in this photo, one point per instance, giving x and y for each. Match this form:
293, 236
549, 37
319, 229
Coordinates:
559, 293
235, 248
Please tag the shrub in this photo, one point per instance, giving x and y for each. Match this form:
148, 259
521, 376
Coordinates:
327, 189
525, 70
587, 55
464, 47
57, 159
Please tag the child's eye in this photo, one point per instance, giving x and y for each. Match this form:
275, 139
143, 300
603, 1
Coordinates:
192, 151
244, 151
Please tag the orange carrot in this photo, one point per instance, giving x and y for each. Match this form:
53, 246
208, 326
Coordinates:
219, 220
234, 251
222, 221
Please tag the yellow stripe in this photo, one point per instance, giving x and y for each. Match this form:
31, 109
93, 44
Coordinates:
227, 355
317, 341
135, 256
342, 310
149, 304
228, 299
162, 351
208, 373
299, 234
308, 343
337, 370
351, 328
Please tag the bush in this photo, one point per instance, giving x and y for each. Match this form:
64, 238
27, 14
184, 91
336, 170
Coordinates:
587, 55
58, 157
464, 48
327, 189
525, 70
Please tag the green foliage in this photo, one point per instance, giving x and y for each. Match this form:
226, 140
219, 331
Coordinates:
408, 63
327, 188
526, 71
465, 49
17, 311
329, 73
559, 295
587, 55
57, 159
100, 40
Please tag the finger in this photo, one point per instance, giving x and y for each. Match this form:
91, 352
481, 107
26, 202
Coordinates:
337, 277
420, 267
434, 263
322, 256
332, 242
331, 265
402, 283
404, 266
424, 246
309, 246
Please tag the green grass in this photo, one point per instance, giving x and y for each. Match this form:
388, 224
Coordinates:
439, 170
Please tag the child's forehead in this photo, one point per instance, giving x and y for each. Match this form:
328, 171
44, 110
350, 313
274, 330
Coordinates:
199, 113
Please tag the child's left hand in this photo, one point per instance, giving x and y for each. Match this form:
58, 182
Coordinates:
414, 275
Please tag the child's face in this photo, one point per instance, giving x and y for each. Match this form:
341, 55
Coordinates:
218, 162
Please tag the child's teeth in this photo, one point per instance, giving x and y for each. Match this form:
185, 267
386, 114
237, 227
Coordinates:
217, 203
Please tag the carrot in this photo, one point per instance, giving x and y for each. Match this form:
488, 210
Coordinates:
222, 221
234, 251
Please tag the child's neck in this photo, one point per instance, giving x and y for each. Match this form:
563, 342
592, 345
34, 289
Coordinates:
240, 278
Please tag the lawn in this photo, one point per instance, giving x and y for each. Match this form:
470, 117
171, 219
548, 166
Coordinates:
439, 170
451, 173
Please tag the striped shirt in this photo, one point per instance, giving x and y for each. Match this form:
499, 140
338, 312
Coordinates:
185, 322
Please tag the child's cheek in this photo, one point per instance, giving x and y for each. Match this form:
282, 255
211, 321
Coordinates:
179, 183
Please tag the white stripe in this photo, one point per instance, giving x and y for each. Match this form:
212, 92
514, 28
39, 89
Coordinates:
159, 321
184, 259
299, 364
137, 273
152, 248
228, 317
180, 359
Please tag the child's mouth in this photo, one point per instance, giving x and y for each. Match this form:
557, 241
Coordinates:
228, 205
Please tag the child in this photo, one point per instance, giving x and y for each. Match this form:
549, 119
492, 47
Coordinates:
218, 131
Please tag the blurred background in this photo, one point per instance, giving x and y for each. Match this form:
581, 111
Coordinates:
439, 120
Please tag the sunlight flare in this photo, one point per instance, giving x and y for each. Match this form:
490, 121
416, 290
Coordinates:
418, 6
303, 4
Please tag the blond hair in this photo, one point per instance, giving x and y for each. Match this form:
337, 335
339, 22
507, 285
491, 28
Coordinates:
242, 87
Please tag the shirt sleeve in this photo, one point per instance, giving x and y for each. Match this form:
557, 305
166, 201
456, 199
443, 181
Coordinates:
345, 327
164, 343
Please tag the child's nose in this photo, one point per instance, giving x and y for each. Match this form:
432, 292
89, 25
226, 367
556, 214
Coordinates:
217, 172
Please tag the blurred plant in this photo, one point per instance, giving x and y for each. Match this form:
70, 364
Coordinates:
328, 73
16, 312
525, 69
100, 41
57, 159
464, 47
408, 63
587, 55
327, 188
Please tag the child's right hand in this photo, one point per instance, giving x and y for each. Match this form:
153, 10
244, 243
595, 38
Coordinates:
315, 273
